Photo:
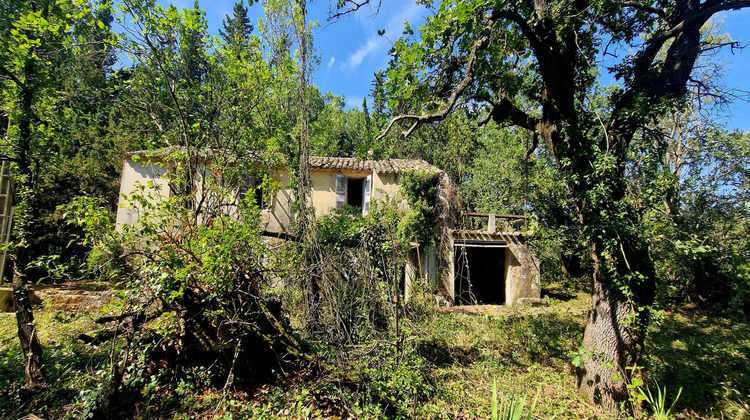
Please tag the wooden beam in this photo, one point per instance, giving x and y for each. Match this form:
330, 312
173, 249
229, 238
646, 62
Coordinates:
498, 215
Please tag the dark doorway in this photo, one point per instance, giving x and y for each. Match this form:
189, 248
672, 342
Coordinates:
354, 191
260, 198
479, 274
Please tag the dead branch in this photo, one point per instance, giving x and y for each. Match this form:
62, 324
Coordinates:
348, 7
297, 349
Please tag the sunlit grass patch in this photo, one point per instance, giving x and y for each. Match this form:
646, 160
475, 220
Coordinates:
708, 356
445, 369
73, 369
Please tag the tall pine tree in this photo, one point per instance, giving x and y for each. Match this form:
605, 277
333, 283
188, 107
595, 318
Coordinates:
236, 29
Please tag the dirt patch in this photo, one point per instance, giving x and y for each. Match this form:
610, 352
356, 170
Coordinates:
75, 296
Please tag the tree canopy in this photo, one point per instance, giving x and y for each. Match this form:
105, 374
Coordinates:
586, 116
535, 66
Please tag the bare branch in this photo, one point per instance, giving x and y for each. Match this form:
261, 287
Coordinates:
350, 6
732, 44
456, 92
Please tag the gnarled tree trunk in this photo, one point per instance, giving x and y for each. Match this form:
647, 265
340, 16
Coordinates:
27, 332
24, 231
611, 345
623, 291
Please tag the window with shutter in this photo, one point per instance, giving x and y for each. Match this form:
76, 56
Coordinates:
366, 194
340, 191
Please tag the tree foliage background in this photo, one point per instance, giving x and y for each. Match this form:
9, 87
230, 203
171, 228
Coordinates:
631, 188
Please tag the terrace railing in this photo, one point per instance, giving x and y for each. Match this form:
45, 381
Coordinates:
488, 222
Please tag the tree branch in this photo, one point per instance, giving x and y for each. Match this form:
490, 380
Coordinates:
350, 6
644, 8
536, 42
671, 77
505, 110
709, 8
534, 144
706, 10
468, 78
14, 78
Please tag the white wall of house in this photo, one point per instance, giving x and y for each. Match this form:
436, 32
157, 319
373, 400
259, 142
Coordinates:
135, 174
278, 217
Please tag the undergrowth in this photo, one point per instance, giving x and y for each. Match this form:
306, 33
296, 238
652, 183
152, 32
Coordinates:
75, 371
444, 368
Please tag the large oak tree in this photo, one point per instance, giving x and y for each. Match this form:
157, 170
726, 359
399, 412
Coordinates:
537, 65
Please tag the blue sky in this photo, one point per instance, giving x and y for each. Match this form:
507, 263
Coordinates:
351, 51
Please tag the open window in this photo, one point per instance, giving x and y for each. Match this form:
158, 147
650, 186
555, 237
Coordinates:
353, 191
262, 199
254, 187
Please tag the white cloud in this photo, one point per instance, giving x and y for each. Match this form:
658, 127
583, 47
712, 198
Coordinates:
331, 62
373, 44
376, 43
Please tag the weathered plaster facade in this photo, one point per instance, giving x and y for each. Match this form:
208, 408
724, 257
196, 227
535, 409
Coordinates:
335, 181
134, 175
515, 277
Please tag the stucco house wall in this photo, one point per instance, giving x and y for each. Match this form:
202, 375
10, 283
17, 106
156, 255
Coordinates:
381, 184
143, 174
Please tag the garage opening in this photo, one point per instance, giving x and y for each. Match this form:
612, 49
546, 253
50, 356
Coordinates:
479, 273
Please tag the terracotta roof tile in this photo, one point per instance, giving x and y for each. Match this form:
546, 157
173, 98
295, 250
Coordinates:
380, 166
316, 162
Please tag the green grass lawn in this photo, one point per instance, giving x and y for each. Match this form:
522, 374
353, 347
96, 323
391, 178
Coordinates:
445, 369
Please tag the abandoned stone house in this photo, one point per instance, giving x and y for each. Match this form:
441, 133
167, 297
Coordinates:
489, 263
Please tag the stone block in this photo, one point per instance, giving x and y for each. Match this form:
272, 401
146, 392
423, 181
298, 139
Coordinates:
7, 303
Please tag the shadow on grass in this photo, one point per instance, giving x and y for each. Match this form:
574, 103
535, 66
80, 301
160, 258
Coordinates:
558, 295
518, 340
708, 356
546, 339
442, 354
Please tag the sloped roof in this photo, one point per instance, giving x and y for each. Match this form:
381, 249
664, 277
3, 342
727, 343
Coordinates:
316, 162
368, 165
180, 152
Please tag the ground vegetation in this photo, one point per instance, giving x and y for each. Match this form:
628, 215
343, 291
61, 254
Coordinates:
631, 192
